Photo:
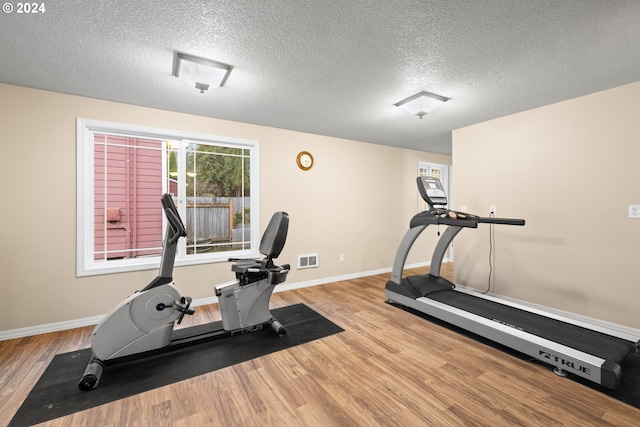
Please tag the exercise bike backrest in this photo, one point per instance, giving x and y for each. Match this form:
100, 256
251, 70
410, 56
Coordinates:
274, 237
272, 242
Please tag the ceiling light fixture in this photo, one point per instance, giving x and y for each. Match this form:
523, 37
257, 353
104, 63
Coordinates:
421, 103
200, 73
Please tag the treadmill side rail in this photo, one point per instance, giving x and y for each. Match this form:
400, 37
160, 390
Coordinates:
545, 311
566, 358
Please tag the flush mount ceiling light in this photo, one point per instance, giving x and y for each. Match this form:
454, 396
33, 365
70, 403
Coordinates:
200, 73
421, 103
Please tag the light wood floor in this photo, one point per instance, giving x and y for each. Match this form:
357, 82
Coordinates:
389, 368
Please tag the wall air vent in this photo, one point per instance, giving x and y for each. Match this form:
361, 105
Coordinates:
307, 261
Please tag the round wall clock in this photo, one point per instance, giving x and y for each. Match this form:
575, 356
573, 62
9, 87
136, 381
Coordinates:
305, 160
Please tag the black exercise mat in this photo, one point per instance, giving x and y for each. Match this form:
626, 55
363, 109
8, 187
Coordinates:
56, 393
628, 391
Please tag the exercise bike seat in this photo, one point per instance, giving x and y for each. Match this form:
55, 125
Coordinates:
271, 244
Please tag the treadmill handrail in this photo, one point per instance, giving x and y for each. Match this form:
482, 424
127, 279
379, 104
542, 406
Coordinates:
439, 217
422, 220
502, 221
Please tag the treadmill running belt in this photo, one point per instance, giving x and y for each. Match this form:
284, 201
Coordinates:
595, 343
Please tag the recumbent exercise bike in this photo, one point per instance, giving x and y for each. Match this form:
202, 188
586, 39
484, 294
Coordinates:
144, 322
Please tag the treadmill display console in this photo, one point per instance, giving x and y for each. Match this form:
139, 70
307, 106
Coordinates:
431, 191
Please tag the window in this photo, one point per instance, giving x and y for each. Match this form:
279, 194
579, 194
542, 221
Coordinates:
124, 170
436, 171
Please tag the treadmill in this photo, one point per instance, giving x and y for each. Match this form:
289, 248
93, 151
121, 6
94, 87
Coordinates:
570, 345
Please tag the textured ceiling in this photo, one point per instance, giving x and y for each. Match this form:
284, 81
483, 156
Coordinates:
331, 67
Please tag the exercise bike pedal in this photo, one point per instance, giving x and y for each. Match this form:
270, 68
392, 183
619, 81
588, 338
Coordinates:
183, 308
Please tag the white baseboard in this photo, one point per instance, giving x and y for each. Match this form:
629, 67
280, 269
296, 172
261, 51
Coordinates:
49, 327
94, 320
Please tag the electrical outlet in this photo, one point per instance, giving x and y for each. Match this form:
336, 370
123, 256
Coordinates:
341, 257
634, 211
492, 210
463, 208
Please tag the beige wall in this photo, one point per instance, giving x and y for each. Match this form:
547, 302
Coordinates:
357, 201
570, 169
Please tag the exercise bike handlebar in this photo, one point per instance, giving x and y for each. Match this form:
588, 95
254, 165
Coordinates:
275, 269
171, 212
177, 226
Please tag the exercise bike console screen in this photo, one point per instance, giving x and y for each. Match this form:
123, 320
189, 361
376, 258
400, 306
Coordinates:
431, 191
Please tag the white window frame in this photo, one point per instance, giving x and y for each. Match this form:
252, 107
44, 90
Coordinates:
86, 265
